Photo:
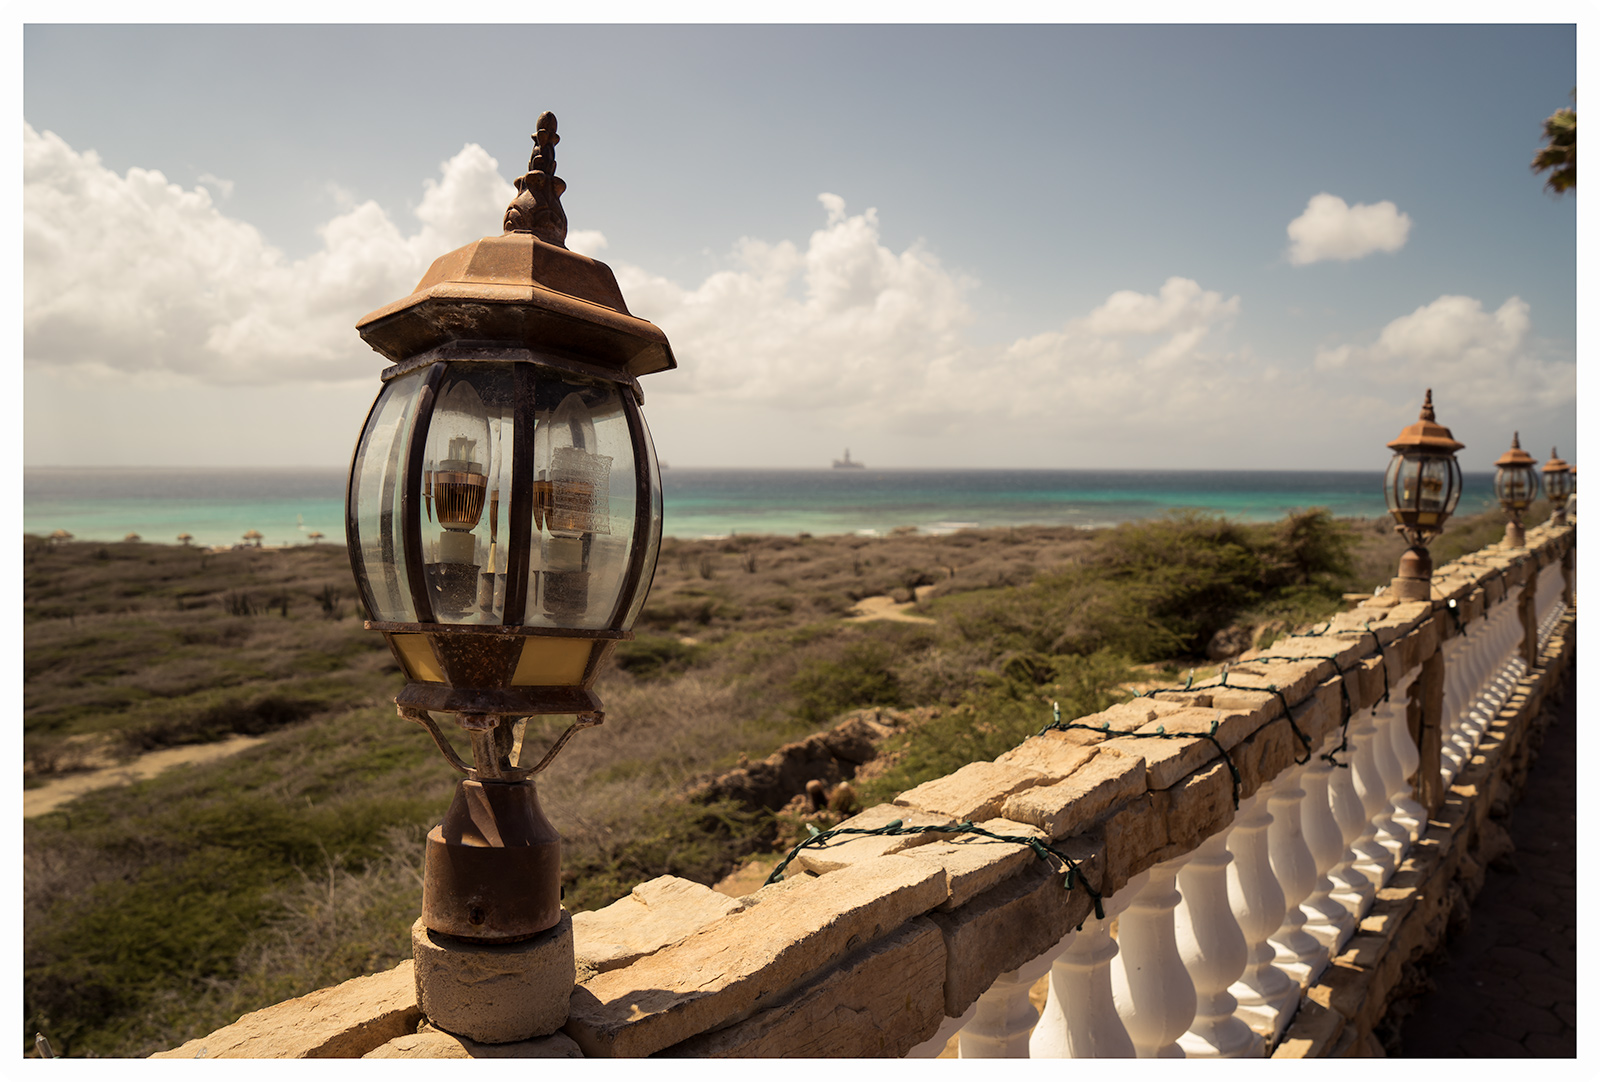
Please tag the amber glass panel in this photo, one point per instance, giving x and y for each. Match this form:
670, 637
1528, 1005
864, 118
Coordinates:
553, 662
376, 484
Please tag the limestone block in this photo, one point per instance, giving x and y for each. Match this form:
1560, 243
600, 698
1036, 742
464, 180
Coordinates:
654, 914
1166, 759
973, 863
1312, 1034
844, 851
437, 1044
976, 791
1294, 679
1256, 707
1053, 755
1265, 755
1198, 806
1321, 712
747, 960
495, 994
1068, 806
1005, 927
1133, 836
880, 1000
1369, 683
346, 1021
1332, 644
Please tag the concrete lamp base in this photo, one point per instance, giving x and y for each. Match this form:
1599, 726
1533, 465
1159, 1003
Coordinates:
495, 994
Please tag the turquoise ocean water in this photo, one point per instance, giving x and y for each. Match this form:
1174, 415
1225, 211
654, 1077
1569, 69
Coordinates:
217, 506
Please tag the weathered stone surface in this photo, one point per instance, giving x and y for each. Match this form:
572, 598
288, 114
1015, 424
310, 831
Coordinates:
1053, 755
976, 791
1294, 679
880, 1000
654, 914
1313, 1034
1198, 806
345, 1021
1253, 708
1068, 806
1133, 834
1265, 755
495, 994
843, 852
436, 1044
973, 863
741, 963
1007, 926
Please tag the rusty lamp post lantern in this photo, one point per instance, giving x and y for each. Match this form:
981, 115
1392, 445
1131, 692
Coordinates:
504, 518
1516, 486
1558, 487
1421, 486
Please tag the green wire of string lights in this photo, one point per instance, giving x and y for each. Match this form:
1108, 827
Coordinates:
820, 838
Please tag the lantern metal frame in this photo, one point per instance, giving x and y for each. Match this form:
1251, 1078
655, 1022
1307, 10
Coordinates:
1419, 445
492, 867
1558, 486
1516, 486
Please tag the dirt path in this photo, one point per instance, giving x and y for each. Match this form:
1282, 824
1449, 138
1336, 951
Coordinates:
883, 607
52, 794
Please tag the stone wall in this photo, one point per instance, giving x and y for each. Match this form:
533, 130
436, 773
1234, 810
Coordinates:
872, 946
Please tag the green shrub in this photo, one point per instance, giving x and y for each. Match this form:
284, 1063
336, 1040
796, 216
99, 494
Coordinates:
823, 689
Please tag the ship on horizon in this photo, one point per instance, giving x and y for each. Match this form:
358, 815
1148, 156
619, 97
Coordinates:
848, 463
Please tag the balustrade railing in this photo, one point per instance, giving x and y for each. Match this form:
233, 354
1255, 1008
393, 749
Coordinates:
1206, 954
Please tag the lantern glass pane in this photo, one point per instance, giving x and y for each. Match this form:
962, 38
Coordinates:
1454, 495
1516, 486
377, 482
652, 550
1400, 485
584, 503
465, 489
1434, 488
1558, 484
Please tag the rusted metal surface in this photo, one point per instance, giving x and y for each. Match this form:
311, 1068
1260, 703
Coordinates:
1425, 434
492, 868
537, 206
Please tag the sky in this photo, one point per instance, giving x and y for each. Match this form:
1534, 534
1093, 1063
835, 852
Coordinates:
1063, 246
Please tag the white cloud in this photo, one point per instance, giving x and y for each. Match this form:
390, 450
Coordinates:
224, 187
136, 274
1331, 229
1487, 360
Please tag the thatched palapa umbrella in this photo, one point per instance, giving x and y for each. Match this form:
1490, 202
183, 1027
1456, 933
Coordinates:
185, 539
60, 535
253, 536
132, 537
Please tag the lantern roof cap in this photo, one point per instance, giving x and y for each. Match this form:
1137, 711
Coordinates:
1425, 434
1516, 457
523, 288
1556, 465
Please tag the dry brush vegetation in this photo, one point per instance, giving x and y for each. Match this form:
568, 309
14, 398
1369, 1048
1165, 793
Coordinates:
158, 911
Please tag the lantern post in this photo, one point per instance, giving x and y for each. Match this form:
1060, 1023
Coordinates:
503, 517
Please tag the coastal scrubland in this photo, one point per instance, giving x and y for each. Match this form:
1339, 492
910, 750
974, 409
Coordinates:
159, 910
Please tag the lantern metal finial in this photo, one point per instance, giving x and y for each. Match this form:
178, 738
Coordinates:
1427, 406
537, 207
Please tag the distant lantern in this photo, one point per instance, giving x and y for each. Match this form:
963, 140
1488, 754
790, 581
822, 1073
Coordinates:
1516, 486
503, 520
1422, 487
1557, 486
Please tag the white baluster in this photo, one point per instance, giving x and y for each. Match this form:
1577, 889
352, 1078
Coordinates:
1330, 923
1377, 861
1004, 1020
1213, 951
934, 1046
1079, 1020
1351, 888
1266, 995
1408, 813
1149, 985
1297, 952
